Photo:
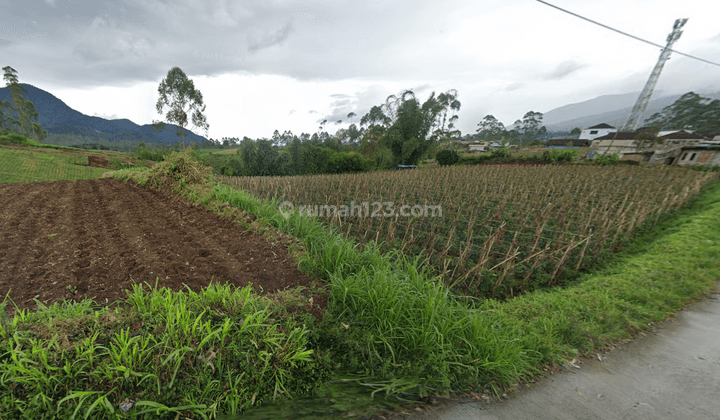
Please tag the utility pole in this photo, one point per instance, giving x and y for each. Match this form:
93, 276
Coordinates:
644, 98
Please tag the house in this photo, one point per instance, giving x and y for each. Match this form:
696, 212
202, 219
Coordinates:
659, 148
616, 142
703, 154
591, 133
481, 146
566, 143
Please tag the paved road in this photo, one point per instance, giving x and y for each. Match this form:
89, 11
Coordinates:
672, 372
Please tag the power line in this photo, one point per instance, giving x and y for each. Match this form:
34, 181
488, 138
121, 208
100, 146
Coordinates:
627, 34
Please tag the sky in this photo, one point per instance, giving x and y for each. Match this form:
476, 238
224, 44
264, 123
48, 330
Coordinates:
265, 65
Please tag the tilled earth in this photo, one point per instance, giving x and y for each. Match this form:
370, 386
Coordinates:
76, 239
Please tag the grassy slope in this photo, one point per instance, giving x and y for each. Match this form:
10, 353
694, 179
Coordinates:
29, 164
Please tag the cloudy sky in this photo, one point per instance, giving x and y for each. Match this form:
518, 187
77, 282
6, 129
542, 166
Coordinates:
263, 65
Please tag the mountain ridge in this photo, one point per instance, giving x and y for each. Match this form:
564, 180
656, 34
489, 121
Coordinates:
613, 110
60, 119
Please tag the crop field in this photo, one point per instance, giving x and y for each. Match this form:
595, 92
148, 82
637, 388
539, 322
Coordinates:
28, 165
493, 231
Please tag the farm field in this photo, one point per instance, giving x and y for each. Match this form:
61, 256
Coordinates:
95, 238
20, 164
502, 229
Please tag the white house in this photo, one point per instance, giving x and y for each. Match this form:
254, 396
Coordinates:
596, 131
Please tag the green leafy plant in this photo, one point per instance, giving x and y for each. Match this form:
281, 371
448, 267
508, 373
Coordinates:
447, 157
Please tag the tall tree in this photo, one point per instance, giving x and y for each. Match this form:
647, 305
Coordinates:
490, 128
351, 116
27, 116
183, 102
532, 126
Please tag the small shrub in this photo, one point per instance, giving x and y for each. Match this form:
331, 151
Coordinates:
447, 157
502, 152
607, 159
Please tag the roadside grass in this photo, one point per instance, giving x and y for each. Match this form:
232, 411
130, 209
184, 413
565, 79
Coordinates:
28, 165
387, 323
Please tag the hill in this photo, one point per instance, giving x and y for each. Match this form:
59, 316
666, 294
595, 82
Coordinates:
68, 126
611, 109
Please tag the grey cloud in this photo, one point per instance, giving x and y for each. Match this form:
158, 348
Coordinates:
312, 111
514, 86
97, 43
292, 112
268, 39
564, 69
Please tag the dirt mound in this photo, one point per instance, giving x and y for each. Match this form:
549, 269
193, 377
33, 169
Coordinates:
70, 240
98, 161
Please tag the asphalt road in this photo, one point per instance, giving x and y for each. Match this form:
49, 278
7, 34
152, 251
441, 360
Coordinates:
672, 372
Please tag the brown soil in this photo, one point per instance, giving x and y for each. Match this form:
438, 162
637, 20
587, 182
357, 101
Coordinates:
99, 161
77, 239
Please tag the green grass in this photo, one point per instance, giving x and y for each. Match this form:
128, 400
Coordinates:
221, 350
28, 165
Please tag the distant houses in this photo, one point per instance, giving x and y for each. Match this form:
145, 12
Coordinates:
674, 147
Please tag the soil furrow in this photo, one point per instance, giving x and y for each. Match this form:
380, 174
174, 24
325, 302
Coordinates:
72, 240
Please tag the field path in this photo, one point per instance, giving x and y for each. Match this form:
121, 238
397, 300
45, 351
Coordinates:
95, 238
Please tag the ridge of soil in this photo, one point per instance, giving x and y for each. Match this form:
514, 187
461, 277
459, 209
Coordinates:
96, 238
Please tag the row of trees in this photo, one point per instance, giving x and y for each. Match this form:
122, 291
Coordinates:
20, 114
263, 157
690, 112
526, 130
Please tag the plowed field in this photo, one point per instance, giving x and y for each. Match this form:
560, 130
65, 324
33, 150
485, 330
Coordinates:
76, 239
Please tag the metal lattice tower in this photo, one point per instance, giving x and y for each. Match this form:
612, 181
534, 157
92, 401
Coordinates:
644, 98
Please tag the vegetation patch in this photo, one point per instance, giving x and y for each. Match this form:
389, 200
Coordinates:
162, 354
31, 164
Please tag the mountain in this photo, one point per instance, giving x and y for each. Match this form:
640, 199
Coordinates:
610, 109
61, 120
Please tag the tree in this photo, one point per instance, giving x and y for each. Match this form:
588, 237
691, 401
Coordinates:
490, 128
407, 128
575, 131
27, 116
182, 101
351, 116
531, 126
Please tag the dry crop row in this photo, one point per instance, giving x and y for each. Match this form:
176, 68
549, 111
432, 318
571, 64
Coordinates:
504, 229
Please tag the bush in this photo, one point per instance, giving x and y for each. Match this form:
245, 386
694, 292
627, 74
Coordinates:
502, 152
447, 157
143, 152
607, 159
15, 138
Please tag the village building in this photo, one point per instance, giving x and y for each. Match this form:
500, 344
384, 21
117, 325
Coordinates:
702, 154
591, 133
